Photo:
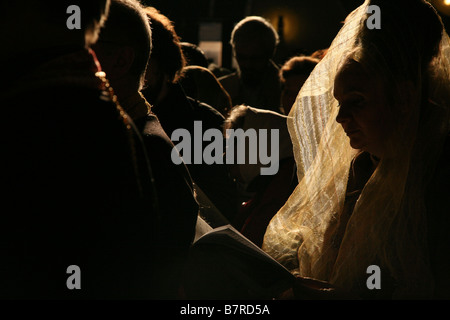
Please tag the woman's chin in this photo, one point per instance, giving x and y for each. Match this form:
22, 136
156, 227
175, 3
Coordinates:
356, 144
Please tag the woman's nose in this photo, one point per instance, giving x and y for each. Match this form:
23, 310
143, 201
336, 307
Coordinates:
343, 115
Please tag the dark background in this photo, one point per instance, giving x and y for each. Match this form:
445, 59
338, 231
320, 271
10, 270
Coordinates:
307, 25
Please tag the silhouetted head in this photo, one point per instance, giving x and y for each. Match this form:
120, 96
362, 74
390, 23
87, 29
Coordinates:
254, 41
194, 55
167, 59
382, 85
124, 45
293, 75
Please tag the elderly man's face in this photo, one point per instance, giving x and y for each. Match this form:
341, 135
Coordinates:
252, 59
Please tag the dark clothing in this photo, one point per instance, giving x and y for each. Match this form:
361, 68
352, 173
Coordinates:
177, 205
75, 191
171, 182
438, 210
178, 111
264, 95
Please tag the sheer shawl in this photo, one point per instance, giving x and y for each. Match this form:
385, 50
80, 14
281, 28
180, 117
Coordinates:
388, 224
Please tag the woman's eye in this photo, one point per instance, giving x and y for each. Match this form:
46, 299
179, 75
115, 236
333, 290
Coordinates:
353, 107
355, 103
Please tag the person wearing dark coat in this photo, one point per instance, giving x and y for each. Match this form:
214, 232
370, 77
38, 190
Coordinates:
123, 54
80, 214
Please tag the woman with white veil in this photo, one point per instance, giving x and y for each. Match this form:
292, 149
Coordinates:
369, 129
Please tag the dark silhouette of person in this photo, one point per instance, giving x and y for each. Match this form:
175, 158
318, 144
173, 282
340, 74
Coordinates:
261, 196
194, 55
256, 83
83, 212
124, 54
201, 84
293, 75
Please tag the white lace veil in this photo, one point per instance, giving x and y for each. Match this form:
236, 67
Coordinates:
388, 224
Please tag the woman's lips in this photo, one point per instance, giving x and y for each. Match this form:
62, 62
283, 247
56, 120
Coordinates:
351, 132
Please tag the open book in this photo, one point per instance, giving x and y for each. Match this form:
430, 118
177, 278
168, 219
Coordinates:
225, 265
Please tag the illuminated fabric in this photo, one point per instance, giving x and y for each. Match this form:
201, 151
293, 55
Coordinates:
388, 224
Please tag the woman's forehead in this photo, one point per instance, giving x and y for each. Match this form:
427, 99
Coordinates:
352, 77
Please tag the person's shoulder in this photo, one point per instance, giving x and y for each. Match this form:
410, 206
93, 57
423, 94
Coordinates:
153, 133
152, 126
231, 77
205, 108
206, 113
230, 83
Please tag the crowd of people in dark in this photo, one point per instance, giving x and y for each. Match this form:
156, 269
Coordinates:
89, 179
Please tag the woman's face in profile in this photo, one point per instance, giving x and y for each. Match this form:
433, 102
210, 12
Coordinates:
363, 111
